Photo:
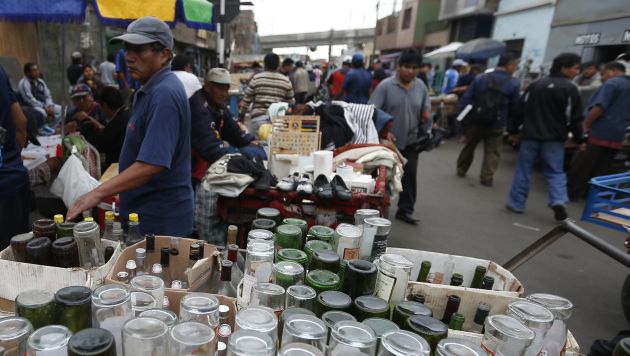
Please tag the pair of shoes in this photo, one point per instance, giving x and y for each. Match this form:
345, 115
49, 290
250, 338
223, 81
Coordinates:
304, 186
335, 188
407, 217
486, 182
288, 183
513, 210
559, 212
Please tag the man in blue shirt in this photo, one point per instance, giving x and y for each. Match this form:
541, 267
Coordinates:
452, 76
357, 83
154, 179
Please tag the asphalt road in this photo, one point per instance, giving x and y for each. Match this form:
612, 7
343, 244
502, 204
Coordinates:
460, 216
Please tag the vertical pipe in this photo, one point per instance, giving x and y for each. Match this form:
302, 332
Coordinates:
222, 34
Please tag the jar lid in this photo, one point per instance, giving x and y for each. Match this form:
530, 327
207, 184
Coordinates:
111, 295
426, 325
34, 297
91, 341
49, 337
14, 327
242, 342
380, 325
371, 304
509, 329
458, 347
257, 318
317, 245
335, 299
58, 218
289, 230
395, 260
319, 231
292, 254
301, 292
192, 333
531, 314
74, 295
288, 268
323, 277
200, 303
260, 234
109, 215
404, 343
353, 333
409, 308
133, 217
347, 230
145, 328
167, 316
305, 326
299, 349
562, 308
332, 317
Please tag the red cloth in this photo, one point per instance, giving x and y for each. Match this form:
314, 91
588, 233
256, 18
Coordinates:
337, 81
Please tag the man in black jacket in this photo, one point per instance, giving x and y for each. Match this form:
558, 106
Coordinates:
212, 123
551, 107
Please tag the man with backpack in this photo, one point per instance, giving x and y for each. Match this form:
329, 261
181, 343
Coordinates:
492, 97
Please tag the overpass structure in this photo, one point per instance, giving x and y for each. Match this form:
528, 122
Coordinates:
325, 38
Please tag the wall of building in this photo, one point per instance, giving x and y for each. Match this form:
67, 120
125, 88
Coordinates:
427, 12
22, 45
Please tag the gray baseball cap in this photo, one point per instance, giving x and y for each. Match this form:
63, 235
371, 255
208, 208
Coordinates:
219, 76
147, 30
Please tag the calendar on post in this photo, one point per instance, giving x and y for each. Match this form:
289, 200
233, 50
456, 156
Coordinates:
294, 135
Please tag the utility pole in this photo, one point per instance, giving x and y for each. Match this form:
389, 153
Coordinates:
221, 30
378, 3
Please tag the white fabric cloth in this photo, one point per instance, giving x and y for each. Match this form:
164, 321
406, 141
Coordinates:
225, 183
359, 118
190, 82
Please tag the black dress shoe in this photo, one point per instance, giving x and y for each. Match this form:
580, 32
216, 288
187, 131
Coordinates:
407, 217
322, 188
340, 189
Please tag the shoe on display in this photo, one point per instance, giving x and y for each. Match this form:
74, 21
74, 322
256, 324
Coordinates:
559, 212
340, 188
304, 186
288, 183
322, 187
407, 217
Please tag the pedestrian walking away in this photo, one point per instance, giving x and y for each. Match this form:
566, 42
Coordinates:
550, 108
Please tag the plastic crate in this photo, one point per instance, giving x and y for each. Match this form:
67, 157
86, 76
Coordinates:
608, 202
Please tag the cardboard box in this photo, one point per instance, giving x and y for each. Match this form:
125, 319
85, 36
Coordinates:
572, 348
505, 283
201, 271
17, 277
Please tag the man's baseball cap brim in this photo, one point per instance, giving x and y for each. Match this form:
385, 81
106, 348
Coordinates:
133, 38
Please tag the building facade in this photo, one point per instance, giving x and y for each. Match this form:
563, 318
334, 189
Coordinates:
468, 19
410, 27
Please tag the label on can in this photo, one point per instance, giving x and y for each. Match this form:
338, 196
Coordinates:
384, 286
350, 254
379, 246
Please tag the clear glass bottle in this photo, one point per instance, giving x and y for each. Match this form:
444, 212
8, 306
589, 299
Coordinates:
111, 308
393, 275
458, 347
380, 326
14, 333
306, 329
259, 234
351, 336
286, 274
505, 335
261, 319
38, 306
332, 317
87, 235
158, 271
250, 342
402, 342
258, 266
200, 307
133, 230
268, 295
562, 309
299, 349
238, 263
118, 234
300, 296
145, 336
536, 317
94, 342
73, 308
142, 301
483, 309
190, 338
109, 227
286, 314
141, 268
166, 316
149, 284
51, 340
130, 268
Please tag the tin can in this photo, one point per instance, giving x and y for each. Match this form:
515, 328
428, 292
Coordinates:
347, 240
374, 241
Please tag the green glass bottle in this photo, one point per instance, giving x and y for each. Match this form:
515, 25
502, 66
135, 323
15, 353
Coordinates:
299, 223
324, 259
408, 308
38, 306
425, 267
452, 306
74, 308
480, 272
431, 329
65, 229
313, 245
292, 255
457, 279
368, 306
622, 348
92, 342
487, 283
287, 273
457, 321
359, 278
483, 309
262, 224
288, 236
323, 233
322, 280
332, 300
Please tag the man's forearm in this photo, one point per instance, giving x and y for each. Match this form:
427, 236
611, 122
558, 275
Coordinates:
136, 175
595, 113
19, 121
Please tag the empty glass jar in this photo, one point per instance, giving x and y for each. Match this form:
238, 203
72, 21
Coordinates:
536, 317
332, 317
393, 276
299, 349
145, 336
261, 319
504, 335
51, 340
351, 336
458, 347
249, 342
403, 343
201, 307
111, 308
14, 333
168, 317
258, 266
149, 284
190, 338
268, 295
300, 296
141, 301
87, 235
306, 329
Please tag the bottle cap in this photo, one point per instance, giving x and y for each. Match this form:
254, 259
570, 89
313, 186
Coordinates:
109, 216
122, 277
156, 269
223, 310
58, 218
225, 330
131, 264
133, 217
177, 284
141, 253
88, 219
232, 228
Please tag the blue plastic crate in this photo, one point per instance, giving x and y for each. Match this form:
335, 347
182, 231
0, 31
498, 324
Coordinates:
607, 194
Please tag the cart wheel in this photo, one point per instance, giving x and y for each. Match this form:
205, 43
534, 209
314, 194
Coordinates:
625, 298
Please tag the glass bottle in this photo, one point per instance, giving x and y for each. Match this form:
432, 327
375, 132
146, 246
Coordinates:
38, 251
264, 224
65, 229
149, 244
232, 233
536, 317
457, 321
109, 227
258, 266
293, 255
374, 241
300, 296
268, 295
483, 309
505, 335
458, 347
288, 313
487, 283
261, 319
561, 308
259, 234
288, 236
332, 317
133, 230
457, 279
93, 342
307, 329
351, 336
166, 316
431, 329
51, 340
402, 342
249, 342
225, 287
622, 348
38, 306
45, 228
165, 261
142, 301
299, 349
269, 213
425, 267
380, 326
224, 315
193, 257
190, 338
145, 336
14, 333
346, 241
332, 300
87, 235
158, 271
407, 308
141, 256
118, 234
149, 284
286, 274
122, 277
74, 308
480, 272
452, 306
325, 260
18, 246
201, 307
313, 245
322, 280
393, 276
368, 306
111, 308
359, 279
130, 268
299, 223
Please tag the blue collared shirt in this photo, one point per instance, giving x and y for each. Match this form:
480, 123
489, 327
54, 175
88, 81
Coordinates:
613, 97
158, 133
357, 84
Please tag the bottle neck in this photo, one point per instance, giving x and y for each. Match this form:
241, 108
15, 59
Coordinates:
164, 258
226, 274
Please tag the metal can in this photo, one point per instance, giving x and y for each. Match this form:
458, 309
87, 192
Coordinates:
347, 240
362, 214
374, 241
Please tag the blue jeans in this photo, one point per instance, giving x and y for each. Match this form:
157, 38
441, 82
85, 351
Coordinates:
551, 154
249, 151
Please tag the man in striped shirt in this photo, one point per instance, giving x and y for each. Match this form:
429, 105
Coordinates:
267, 88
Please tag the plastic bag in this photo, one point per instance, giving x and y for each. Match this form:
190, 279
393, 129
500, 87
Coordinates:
73, 180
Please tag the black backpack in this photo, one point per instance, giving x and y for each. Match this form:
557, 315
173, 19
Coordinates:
487, 107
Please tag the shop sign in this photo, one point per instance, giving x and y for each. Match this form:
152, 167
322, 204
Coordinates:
588, 39
626, 36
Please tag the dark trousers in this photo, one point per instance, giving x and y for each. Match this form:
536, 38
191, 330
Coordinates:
14, 217
300, 98
595, 161
491, 150
407, 198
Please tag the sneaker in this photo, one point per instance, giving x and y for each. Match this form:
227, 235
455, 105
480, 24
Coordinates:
304, 186
559, 212
288, 183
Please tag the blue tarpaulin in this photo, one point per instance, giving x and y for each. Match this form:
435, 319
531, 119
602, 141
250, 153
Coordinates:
43, 10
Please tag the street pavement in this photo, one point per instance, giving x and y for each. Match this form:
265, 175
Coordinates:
462, 217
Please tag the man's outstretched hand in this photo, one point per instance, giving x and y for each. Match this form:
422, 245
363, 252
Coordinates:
85, 202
